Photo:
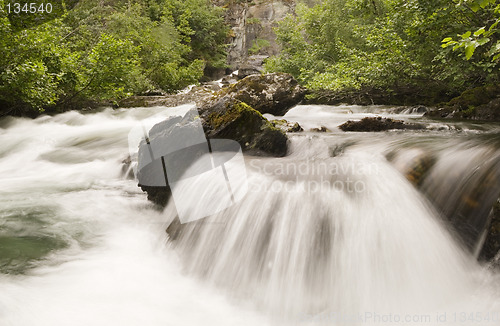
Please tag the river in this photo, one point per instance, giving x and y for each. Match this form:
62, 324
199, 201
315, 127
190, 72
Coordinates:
332, 234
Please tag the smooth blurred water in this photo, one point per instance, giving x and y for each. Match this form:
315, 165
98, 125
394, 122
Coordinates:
81, 245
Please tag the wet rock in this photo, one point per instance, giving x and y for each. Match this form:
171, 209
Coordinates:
172, 145
339, 149
232, 119
157, 195
174, 229
274, 93
414, 164
177, 142
223, 116
416, 109
491, 247
440, 112
418, 168
378, 124
321, 129
286, 126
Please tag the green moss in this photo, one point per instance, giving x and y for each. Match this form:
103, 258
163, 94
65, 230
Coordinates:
474, 97
234, 112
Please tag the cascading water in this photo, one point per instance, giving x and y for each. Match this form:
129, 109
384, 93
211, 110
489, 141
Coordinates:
355, 240
331, 234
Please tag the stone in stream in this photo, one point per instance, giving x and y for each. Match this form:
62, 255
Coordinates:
274, 93
232, 119
286, 126
467, 208
378, 124
414, 164
226, 115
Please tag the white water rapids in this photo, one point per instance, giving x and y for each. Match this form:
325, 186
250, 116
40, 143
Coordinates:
81, 245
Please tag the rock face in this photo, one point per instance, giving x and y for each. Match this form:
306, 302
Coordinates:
252, 24
274, 93
378, 124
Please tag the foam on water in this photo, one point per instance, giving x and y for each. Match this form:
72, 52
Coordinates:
294, 251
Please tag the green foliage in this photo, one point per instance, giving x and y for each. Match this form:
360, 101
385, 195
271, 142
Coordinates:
388, 44
258, 45
103, 50
484, 38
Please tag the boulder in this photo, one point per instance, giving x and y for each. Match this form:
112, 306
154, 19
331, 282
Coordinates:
177, 142
232, 119
286, 126
274, 93
378, 124
226, 115
172, 143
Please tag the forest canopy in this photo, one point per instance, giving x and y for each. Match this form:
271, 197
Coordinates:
430, 45
97, 50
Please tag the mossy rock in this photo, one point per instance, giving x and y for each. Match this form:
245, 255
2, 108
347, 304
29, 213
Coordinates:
418, 169
475, 97
480, 103
378, 124
286, 126
232, 119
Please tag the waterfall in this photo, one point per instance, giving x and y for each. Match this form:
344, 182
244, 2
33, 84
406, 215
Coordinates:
346, 234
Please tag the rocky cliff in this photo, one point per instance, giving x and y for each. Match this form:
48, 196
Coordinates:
252, 38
